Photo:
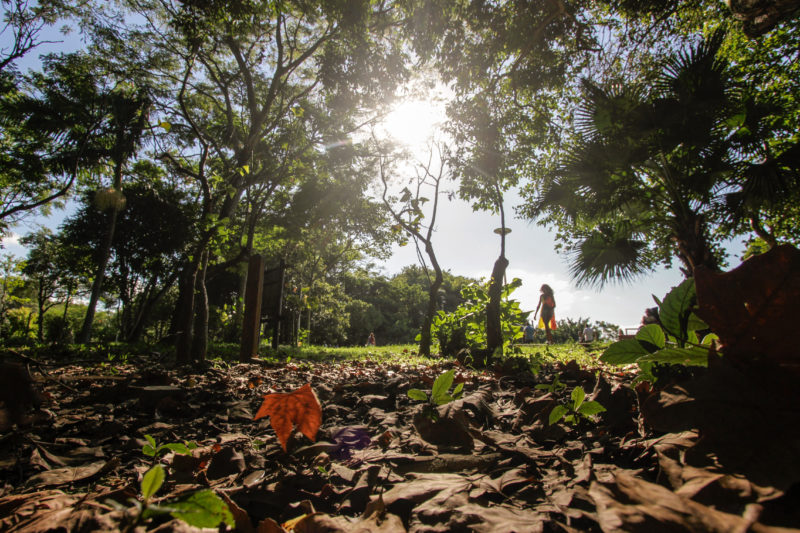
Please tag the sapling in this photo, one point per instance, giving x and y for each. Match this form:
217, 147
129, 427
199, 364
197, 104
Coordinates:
440, 393
152, 450
202, 509
575, 409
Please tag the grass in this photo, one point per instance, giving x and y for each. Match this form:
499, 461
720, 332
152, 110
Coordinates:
407, 353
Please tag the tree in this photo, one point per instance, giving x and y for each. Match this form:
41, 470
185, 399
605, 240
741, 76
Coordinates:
654, 166
408, 213
55, 128
146, 249
42, 270
240, 81
24, 22
10, 280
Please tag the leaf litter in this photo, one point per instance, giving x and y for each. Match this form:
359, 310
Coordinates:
341, 447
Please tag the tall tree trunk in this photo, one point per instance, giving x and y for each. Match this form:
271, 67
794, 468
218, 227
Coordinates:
494, 329
147, 306
97, 285
184, 316
200, 337
40, 319
425, 339
308, 328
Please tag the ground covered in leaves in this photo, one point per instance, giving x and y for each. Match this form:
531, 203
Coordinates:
489, 462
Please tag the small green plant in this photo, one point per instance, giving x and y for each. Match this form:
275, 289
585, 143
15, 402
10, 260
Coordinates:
466, 326
575, 409
200, 509
440, 393
553, 387
152, 450
674, 341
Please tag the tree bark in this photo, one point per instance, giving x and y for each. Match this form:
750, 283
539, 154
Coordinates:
200, 336
426, 340
494, 330
185, 315
97, 285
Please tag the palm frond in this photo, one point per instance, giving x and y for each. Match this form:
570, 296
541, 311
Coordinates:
608, 255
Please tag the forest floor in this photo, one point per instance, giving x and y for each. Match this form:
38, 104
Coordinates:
489, 462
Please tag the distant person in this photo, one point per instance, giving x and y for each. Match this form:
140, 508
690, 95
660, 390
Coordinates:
588, 334
371, 339
528, 332
547, 303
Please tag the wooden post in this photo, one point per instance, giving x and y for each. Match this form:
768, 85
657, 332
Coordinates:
252, 308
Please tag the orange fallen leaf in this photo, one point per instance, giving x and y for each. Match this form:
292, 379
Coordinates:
286, 410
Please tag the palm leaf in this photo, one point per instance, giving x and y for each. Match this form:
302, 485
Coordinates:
607, 255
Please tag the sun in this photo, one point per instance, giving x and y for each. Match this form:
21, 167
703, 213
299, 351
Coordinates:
414, 123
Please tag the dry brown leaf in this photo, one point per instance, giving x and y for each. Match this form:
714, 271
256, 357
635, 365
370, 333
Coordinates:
285, 410
63, 476
753, 307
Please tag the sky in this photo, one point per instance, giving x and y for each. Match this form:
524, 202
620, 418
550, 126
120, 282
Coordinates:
466, 245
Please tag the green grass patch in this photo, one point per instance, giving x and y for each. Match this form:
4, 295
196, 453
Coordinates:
585, 356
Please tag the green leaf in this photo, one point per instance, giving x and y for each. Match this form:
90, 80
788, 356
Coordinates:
695, 323
457, 391
578, 394
591, 408
176, 447
557, 414
416, 394
693, 356
653, 334
708, 339
166, 126
151, 440
152, 481
442, 384
148, 450
623, 352
202, 509
675, 306
443, 399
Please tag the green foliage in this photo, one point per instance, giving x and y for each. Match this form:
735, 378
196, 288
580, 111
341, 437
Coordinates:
440, 393
151, 449
672, 342
200, 509
152, 481
465, 327
575, 408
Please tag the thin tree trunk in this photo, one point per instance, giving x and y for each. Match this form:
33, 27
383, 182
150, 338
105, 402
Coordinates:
97, 285
185, 315
426, 340
147, 306
200, 337
494, 330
